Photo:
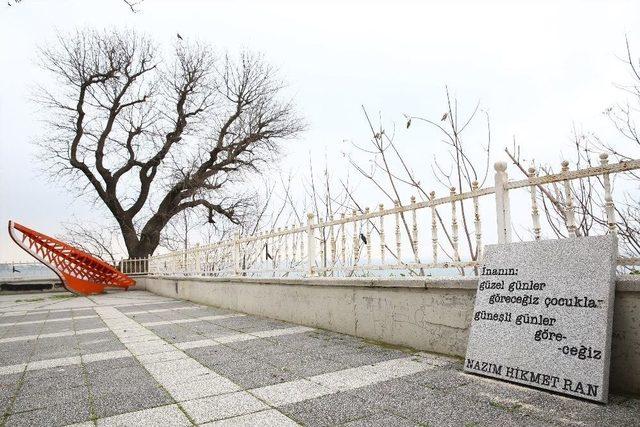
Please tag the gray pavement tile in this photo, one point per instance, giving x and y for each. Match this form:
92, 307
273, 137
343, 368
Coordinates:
242, 324
57, 326
208, 330
620, 411
174, 333
17, 347
175, 315
393, 395
305, 365
8, 388
209, 311
81, 324
331, 410
60, 314
106, 335
258, 347
250, 373
381, 419
116, 403
111, 364
48, 394
29, 317
23, 330
211, 356
54, 374
458, 410
130, 378
165, 416
100, 345
368, 356
145, 317
54, 353
151, 306
56, 415
441, 379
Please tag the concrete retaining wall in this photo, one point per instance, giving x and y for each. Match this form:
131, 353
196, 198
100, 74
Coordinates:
430, 315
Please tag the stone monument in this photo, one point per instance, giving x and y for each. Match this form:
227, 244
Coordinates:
543, 315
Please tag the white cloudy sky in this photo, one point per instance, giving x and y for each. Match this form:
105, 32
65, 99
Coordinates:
537, 67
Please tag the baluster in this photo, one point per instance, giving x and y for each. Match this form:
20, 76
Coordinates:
535, 214
476, 218
434, 228
311, 246
368, 236
608, 198
286, 246
454, 226
322, 243
294, 242
414, 230
332, 242
344, 240
269, 245
382, 245
569, 210
356, 244
398, 240
301, 237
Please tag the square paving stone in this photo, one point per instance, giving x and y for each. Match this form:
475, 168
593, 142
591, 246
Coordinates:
70, 375
252, 374
8, 388
165, 416
100, 345
382, 419
331, 410
125, 379
211, 356
21, 331
305, 365
110, 364
394, 394
459, 410
49, 395
368, 356
56, 415
116, 403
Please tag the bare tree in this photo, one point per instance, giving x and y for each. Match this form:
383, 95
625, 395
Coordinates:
148, 138
460, 170
587, 193
94, 238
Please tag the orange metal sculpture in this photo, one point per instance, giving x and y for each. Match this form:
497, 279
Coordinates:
80, 272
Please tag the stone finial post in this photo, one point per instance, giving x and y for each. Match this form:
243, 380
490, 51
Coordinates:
569, 207
535, 213
311, 246
608, 198
503, 215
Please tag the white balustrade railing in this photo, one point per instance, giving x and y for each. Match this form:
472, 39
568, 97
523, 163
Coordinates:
383, 240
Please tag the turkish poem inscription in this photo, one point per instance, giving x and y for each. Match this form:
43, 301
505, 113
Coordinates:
543, 315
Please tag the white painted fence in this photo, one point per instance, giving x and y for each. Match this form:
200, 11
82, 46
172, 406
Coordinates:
385, 240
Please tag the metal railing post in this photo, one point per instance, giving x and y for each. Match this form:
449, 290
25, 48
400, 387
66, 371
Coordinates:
503, 215
236, 254
311, 246
196, 254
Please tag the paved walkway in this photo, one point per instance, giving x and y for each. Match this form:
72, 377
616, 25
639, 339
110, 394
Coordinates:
135, 359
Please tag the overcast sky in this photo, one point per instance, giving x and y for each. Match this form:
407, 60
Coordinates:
536, 68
